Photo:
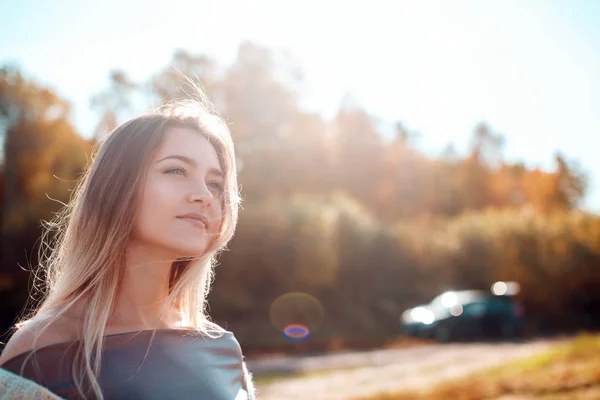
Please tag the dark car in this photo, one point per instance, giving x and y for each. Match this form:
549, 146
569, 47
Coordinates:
465, 314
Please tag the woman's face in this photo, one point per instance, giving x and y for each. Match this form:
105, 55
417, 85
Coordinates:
180, 209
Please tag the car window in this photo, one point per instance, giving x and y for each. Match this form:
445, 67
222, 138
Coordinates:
500, 305
475, 309
456, 297
470, 296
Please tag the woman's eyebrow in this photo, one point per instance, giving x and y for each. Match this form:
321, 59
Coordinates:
185, 159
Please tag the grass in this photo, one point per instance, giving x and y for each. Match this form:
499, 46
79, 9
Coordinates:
265, 379
568, 371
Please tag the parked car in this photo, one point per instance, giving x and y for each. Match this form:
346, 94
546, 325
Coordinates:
466, 314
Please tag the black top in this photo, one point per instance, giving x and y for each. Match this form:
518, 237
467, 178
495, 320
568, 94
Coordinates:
174, 364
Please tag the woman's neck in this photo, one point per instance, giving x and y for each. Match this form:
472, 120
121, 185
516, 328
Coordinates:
144, 290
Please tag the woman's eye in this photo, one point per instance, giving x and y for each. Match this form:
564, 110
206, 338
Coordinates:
177, 171
216, 186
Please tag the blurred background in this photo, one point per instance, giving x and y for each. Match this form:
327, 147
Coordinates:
388, 152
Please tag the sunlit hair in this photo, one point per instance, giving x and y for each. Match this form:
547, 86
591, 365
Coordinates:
83, 248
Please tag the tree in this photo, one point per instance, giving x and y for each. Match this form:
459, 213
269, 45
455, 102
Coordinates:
117, 102
358, 150
186, 70
43, 158
571, 184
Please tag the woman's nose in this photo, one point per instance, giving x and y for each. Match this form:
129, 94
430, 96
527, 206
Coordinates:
201, 195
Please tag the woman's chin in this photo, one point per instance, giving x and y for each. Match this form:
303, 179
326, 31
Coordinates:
191, 252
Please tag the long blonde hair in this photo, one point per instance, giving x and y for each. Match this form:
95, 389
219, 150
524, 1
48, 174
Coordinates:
83, 247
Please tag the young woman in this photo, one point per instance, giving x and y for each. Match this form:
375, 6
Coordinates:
129, 267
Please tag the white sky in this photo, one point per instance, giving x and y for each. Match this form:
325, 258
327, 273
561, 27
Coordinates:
527, 68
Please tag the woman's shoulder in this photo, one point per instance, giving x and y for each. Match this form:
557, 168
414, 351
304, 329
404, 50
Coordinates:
212, 328
34, 334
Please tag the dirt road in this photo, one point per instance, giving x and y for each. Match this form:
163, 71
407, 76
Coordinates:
359, 374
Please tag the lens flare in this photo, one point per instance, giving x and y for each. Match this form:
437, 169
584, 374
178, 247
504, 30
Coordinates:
297, 315
296, 332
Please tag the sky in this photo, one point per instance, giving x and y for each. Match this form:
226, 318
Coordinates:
528, 68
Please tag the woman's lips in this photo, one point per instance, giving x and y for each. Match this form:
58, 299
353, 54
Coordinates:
196, 222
